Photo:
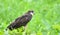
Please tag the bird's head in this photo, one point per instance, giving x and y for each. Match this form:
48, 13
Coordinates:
31, 12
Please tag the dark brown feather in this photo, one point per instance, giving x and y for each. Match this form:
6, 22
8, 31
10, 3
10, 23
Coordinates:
20, 21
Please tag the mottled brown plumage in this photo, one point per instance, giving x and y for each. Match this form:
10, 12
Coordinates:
21, 21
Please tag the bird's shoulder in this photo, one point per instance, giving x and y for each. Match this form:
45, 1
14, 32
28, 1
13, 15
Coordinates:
24, 17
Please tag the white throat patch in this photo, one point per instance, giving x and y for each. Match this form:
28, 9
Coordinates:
31, 13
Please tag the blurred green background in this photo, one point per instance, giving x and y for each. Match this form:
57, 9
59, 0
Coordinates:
46, 20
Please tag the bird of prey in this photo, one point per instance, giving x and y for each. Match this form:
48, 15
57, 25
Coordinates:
21, 21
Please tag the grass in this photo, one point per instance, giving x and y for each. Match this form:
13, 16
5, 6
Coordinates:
46, 20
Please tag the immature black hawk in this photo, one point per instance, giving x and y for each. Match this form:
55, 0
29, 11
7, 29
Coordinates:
21, 21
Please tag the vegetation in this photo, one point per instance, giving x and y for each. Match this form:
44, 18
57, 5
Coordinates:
46, 20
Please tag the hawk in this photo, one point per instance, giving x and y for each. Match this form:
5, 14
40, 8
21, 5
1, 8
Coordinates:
21, 21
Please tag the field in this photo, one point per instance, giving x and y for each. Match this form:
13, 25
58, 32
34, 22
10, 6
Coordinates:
45, 21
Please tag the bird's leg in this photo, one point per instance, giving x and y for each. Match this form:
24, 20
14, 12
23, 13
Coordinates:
24, 31
25, 27
17, 30
21, 29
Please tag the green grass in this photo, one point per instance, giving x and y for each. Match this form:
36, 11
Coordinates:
46, 20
